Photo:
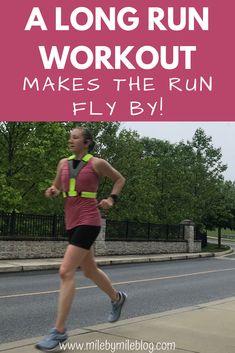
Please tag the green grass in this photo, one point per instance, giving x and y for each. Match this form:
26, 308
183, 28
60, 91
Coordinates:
214, 248
225, 233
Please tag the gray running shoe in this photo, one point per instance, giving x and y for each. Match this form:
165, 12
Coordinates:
52, 341
117, 307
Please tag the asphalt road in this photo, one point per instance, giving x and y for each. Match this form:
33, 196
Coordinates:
28, 300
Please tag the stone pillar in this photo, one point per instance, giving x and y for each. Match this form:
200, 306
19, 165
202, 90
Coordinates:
189, 234
99, 246
101, 236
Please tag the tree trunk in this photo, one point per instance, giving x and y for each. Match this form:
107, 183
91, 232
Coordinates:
219, 237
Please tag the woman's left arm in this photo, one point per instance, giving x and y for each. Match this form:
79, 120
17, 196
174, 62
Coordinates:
103, 168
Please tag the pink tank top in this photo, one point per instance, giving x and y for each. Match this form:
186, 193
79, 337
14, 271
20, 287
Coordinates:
80, 210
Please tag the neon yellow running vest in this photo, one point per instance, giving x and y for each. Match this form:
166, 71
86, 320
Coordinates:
73, 173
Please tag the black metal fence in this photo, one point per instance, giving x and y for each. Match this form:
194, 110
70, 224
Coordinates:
18, 226
135, 231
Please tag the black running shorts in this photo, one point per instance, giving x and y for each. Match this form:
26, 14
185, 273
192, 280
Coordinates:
83, 236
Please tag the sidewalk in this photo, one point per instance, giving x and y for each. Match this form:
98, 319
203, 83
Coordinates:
53, 264
203, 328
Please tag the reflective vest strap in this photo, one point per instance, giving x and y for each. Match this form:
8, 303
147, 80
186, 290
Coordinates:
85, 194
70, 193
87, 157
88, 194
72, 184
71, 157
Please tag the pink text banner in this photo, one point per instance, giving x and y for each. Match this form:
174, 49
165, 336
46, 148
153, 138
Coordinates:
117, 60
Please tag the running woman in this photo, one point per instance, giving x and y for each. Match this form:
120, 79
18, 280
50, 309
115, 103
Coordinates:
78, 178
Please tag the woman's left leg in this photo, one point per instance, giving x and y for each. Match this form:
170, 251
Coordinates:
90, 270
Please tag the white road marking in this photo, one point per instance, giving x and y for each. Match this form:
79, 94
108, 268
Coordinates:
120, 283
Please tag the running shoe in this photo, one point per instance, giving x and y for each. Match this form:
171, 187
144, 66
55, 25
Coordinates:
52, 341
117, 307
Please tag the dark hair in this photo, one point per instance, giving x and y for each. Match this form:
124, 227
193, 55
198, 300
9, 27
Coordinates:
87, 138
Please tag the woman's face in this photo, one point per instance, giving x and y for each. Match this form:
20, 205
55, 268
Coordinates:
76, 141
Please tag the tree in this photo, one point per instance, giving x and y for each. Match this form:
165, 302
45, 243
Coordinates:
222, 213
135, 201
30, 152
207, 169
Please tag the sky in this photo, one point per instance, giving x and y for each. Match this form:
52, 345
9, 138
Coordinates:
222, 133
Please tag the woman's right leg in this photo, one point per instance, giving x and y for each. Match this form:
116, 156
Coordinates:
73, 258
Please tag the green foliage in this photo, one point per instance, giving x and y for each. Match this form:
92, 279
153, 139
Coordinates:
30, 152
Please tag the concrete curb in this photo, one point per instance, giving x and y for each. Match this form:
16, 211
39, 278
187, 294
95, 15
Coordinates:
50, 264
222, 253
11, 267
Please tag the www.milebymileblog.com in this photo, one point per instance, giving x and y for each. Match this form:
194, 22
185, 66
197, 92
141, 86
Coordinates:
123, 346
